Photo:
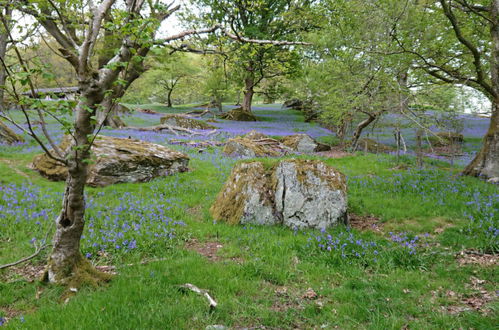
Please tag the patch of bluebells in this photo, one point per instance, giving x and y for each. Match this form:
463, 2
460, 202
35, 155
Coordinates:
147, 221
27, 208
483, 215
348, 247
445, 193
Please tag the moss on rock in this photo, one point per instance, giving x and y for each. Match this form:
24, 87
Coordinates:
370, 145
117, 160
185, 122
8, 136
238, 114
245, 147
292, 192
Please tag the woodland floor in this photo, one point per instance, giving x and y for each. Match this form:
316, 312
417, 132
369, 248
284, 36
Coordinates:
421, 252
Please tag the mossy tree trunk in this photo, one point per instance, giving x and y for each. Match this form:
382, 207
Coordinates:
486, 162
249, 91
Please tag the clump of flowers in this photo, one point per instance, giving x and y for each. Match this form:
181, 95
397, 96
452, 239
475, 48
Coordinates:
483, 223
340, 247
135, 223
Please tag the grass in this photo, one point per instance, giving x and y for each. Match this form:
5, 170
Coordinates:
260, 275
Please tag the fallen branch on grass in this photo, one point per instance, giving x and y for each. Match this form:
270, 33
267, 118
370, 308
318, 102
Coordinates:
20, 261
173, 129
194, 288
199, 113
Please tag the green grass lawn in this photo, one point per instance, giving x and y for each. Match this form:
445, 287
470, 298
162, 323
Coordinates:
404, 274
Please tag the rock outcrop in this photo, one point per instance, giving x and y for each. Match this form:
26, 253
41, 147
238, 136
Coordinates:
443, 139
8, 136
255, 135
185, 122
238, 114
117, 160
293, 193
244, 147
256, 144
303, 143
370, 145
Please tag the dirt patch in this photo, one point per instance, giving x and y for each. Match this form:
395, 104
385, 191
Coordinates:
8, 314
365, 222
29, 271
478, 300
285, 299
206, 249
471, 257
196, 212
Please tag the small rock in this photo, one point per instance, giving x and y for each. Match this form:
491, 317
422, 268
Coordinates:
310, 294
216, 327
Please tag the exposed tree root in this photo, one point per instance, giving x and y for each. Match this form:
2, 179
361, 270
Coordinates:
78, 274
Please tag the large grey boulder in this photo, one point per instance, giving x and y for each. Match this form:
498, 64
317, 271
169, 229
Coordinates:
117, 160
245, 196
294, 193
309, 194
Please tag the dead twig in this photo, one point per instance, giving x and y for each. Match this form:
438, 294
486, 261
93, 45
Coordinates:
20, 261
192, 287
173, 129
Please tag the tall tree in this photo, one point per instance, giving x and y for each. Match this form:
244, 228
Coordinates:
455, 42
263, 19
77, 26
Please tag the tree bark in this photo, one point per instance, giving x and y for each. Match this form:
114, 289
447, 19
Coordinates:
360, 127
169, 103
110, 115
248, 94
4, 37
486, 162
65, 261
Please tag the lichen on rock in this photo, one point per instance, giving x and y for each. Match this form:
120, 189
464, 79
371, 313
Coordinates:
117, 160
300, 142
370, 145
295, 193
185, 122
244, 147
443, 139
246, 196
255, 135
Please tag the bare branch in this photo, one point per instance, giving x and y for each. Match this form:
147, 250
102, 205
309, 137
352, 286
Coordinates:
20, 261
472, 48
264, 42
